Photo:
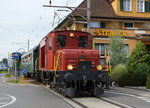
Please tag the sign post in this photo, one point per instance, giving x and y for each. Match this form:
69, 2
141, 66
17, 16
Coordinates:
15, 56
23, 71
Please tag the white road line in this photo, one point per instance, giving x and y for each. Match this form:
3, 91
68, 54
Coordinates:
3, 103
5, 98
11, 102
141, 97
146, 99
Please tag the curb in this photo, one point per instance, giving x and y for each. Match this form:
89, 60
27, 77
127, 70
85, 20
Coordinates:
75, 105
137, 88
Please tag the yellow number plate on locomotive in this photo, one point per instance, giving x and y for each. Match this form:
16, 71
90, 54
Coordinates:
81, 59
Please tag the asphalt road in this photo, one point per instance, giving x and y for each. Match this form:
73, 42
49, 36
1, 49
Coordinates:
25, 96
30, 96
131, 97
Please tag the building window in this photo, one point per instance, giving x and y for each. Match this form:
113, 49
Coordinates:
140, 5
103, 25
125, 5
147, 6
128, 25
102, 51
94, 25
126, 50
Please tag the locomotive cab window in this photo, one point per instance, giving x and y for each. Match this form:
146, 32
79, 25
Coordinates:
82, 41
50, 44
60, 41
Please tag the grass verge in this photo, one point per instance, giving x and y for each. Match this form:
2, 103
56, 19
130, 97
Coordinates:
7, 75
19, 81
5, 71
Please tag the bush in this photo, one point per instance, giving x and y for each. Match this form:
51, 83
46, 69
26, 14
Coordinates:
139, 55
119, 71
126, 80
148, 82
140, 74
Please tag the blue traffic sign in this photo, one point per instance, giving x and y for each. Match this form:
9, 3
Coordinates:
15, 55
23, 71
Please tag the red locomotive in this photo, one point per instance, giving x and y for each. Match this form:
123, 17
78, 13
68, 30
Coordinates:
69, 65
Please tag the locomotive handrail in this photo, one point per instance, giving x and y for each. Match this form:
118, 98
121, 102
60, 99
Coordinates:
36, 64
56, 65
108, 64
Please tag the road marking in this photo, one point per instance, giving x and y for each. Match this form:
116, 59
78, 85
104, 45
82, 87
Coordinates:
4, 98
3, 104
146, 99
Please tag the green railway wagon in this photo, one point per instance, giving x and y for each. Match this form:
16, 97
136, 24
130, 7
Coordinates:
29, 62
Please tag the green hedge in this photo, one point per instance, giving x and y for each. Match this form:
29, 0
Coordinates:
140, 74
119, 71
148, 82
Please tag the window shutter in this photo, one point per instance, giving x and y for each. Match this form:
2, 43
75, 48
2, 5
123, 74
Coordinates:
147, 6
102, 25
85, 25
121, 5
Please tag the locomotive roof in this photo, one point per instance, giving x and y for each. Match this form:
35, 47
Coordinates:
56, 31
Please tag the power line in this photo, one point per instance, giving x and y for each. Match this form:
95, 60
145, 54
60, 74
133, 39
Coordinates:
32, 30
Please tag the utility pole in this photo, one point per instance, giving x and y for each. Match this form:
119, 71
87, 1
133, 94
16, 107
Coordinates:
88, 15
28, 44
71, 8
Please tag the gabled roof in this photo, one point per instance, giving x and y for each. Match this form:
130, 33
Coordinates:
99, 8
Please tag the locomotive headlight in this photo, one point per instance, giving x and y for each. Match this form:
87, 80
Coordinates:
99, 67
69, 67
71, 35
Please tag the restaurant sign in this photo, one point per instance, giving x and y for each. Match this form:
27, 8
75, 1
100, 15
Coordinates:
110, 33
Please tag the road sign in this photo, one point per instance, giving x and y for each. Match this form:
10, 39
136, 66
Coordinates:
23, 71
16, 55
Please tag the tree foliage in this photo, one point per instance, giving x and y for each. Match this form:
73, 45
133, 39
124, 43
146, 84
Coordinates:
117, 51
119, 71
5, 61
139, 55
138, 64
148, 82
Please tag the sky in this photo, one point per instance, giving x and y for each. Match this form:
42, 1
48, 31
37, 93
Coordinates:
23, 20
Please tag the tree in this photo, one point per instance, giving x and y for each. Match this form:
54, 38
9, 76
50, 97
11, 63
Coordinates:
138, 64
116, 47
139, 55
117, 51
5, 61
